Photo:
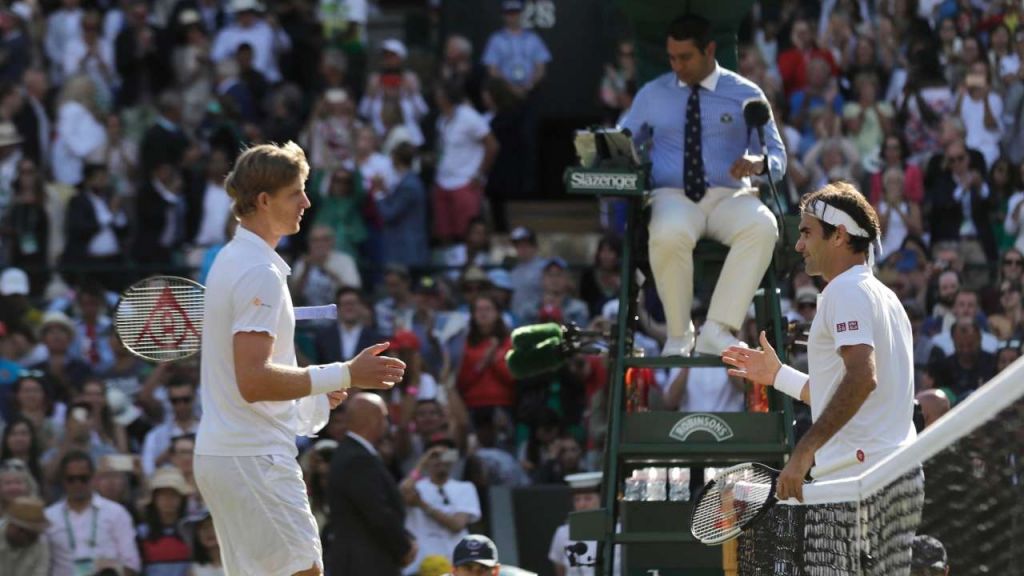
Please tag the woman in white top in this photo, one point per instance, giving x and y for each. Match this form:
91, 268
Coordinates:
898, 217
81, 135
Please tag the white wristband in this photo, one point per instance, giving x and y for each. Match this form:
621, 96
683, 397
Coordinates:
790, 381
329, 378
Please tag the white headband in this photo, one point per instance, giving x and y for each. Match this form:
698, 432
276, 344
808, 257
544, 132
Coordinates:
836, 217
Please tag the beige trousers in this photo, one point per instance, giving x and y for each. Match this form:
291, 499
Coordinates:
734, 217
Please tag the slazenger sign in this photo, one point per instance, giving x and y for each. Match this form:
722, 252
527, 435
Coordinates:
701, 423
604, 181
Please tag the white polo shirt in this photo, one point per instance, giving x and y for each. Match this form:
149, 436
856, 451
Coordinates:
247, 291
855, 308
462, 149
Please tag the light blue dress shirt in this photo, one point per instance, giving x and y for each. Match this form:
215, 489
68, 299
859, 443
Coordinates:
658, 116
516, 55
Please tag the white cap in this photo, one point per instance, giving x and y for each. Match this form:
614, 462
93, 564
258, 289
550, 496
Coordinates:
395, 46
13, 281
585, 480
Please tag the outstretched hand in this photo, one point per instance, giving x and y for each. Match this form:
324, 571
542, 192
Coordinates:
758, 366
371, 371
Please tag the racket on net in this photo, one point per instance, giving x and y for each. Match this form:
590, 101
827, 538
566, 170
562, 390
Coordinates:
738, 497
160, 318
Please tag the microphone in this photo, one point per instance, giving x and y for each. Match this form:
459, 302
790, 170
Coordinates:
548, 356
526, 337
757, 114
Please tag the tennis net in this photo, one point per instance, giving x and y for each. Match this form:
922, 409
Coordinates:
971, 500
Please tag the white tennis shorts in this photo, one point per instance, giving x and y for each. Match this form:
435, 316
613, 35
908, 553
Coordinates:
261, 514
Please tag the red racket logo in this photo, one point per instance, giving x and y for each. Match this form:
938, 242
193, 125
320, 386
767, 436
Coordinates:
167, 325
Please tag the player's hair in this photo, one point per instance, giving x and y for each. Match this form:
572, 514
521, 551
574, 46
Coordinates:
691, 27
845, 197
264, 168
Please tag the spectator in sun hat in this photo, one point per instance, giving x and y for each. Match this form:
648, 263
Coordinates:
10, 156
161, 538
586, 495
15, 307
65, 371
250, 27
393, 82
928, 557
23, 549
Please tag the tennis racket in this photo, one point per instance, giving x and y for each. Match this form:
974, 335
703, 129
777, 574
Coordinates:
738, 497
160, 318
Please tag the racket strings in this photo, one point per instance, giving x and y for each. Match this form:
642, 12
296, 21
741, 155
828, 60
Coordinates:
161, 319
729, 504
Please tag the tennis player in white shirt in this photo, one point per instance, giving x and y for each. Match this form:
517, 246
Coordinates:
255, 399
860, 357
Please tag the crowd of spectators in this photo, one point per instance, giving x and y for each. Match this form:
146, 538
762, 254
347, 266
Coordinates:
118, 122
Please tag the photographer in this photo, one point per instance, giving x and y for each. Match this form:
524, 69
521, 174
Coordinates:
439, 508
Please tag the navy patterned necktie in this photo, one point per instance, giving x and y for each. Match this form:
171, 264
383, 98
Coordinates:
693, 157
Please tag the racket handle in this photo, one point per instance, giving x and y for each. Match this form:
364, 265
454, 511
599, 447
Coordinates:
851, 460
328, 312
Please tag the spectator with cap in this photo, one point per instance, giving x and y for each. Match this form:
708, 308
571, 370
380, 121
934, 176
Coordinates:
403, 212
557, 303
502, 291
440, 507
527, 273
515, 54
116, 476
466, 149
341, 342
475, 555
15, 306
1008, 353
928, 557
24, 549
394, 84
435, 326
87, 529
162, 544
571, 558
395, 310
267, 38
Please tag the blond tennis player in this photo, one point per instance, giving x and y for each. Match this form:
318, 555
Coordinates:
255, 399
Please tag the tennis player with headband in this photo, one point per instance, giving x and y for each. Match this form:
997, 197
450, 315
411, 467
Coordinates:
255, 399
860, 356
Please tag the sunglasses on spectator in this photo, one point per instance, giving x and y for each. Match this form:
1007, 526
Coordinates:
181, 400
1013, 262
77, 478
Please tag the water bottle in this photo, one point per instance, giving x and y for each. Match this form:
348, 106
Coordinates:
656, 478
679, 484
634, 487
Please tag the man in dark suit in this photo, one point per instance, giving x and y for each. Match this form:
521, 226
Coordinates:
95, 227
342, 341
367, 522
161, 212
